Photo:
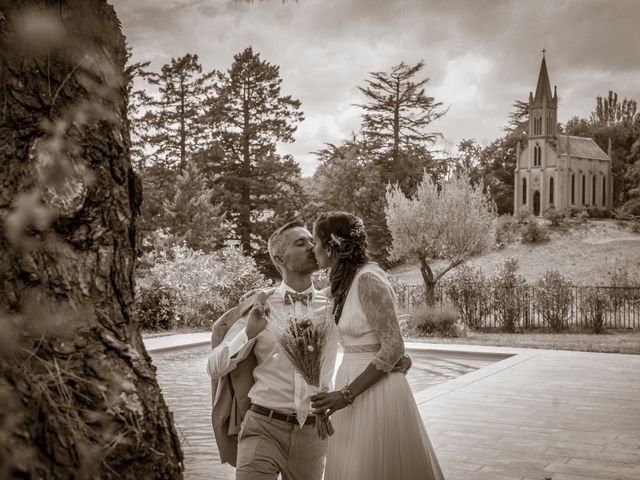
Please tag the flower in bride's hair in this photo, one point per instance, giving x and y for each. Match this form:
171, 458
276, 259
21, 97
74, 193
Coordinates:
336, 241
358, 229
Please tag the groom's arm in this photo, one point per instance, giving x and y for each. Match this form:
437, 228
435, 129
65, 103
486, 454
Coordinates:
232, 350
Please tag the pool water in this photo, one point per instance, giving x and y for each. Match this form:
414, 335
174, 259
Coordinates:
186, 387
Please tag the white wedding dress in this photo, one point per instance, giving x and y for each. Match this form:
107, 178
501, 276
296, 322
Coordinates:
381, 436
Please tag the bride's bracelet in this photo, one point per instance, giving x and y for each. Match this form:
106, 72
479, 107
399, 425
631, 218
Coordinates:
347, 395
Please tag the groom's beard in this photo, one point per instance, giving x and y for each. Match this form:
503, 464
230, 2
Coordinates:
309, 266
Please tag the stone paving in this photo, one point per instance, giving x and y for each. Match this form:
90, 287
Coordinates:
540, 414
534, 415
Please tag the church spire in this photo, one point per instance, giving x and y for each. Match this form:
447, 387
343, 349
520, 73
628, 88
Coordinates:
544, 86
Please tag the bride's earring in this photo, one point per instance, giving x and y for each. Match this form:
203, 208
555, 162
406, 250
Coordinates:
328, 252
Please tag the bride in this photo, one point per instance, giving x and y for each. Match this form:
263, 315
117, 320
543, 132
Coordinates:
380, 434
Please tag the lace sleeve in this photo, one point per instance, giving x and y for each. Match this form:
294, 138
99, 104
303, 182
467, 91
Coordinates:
377, 302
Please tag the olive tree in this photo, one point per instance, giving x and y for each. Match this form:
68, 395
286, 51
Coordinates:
454, 222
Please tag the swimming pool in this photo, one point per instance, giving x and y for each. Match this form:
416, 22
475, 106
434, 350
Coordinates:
186, 387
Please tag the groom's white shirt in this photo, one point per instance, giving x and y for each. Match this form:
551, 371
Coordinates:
274, 373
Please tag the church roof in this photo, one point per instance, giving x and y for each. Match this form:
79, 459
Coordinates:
581, 147
544, 86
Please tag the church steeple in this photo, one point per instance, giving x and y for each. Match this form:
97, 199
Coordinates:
543, 106
543, 89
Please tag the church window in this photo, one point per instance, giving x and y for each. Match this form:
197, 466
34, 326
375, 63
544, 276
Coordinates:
593, 190
604, 191
551, 190
524, 191
573, 189
584, 183
537, 155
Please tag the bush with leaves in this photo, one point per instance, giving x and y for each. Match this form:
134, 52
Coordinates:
468, 289
553, 299
436, 320
534, 233
593, 306
155, 307
554, 216
522, 216
407, 295
205, 285
507, 230
509, 291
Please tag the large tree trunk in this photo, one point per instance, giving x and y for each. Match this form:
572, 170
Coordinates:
78, 393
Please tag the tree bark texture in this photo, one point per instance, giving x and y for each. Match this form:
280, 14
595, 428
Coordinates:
78, 392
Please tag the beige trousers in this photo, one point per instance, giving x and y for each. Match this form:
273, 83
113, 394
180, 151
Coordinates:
267, 447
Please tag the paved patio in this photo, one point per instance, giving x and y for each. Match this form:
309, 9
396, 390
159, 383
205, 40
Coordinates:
540, 414
534, 415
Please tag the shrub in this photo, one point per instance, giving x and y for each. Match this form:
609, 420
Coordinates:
155, 307
408, 295
522, 216
437, 320
468, 289
553, 299
507, 229
204, 285
534, 233
508, 290
554, 216
626, 288
593, 306
598, 212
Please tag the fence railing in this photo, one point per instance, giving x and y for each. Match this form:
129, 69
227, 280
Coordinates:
619, 306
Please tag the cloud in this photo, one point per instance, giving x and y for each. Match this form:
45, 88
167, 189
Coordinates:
480, 55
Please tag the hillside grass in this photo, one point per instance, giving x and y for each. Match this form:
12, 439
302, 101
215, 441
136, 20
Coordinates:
585, 254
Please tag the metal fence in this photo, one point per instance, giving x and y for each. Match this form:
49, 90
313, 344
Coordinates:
619, 307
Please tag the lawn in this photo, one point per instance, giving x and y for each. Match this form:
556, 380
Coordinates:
586, 254
624, 341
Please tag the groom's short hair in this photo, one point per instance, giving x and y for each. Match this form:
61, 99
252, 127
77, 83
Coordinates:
274, 243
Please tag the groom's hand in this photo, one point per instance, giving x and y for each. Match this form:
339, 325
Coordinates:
257, 321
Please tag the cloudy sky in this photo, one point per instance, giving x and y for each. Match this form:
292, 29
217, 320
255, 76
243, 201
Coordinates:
480, 55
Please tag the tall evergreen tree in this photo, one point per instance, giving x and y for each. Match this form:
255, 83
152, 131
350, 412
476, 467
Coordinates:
248, 116
139, 116
398, 112
176, 121
191, 215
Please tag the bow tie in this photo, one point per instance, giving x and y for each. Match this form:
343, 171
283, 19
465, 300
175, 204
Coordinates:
291, 297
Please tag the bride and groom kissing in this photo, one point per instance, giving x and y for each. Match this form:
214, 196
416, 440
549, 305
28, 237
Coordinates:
379, 433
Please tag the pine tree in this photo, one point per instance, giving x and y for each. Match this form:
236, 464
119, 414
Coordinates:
191, 215
139, 116
248, 116
398, 113
176, 119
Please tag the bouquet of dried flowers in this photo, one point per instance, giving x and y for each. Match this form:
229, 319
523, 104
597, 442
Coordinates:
303, 339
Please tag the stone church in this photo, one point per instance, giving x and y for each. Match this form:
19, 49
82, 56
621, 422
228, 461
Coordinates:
557, 170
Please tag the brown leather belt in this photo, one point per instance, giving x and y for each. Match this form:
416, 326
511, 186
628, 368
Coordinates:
285, 417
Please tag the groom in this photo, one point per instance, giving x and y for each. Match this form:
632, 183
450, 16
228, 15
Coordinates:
247, 358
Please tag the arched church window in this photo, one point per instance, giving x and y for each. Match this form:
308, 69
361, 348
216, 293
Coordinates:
551, 190
604, 191
524, 191
573, 189
593, 190
537, 155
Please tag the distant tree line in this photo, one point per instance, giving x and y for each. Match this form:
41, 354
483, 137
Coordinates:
204, 145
